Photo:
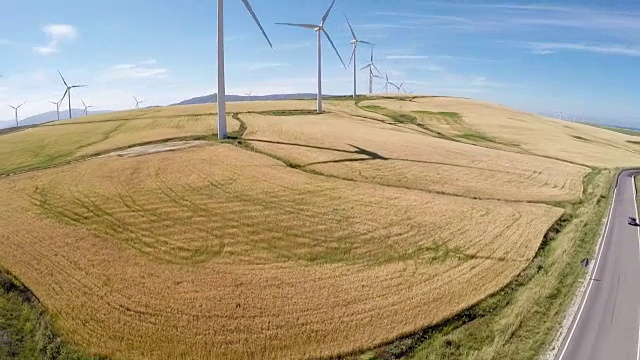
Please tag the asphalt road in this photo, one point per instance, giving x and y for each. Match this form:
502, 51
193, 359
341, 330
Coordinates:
607, 323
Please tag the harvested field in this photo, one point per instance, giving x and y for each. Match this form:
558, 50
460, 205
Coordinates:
532, 133
374, 152
62, 141
223, 253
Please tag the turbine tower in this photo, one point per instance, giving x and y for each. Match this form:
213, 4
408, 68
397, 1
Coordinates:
355, 43
68, 91
16, 110
319, 29
222, 111
372, 66
138, 102
57, 104
86, 108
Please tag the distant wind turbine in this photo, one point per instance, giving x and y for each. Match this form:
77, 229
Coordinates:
68, 91
222, 110
401, 87
320, 29
355, 43
372, 66
86, 108
249, 94
16, 110
138, 102
387, 83
57, 104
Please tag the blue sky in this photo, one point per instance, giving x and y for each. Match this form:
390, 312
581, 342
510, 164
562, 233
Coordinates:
578, 57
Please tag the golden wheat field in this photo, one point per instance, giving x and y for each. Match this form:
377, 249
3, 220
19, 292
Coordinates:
539, 135
312, 236
369, 151
217, 252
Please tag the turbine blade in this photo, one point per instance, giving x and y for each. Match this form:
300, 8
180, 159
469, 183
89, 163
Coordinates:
11, 107
350, 28
326, 15
365, 42
65, 95
353, 53
334, 46
366, 66
306, 26
63, 80
83, 104
78, 86
371, 56
255, 18
378, 70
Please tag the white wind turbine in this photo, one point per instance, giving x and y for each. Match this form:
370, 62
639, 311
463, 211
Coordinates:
16, 110
86, 108
68, 91
355, 43
57, 104
222, 110
138, 102
319, 29
387, 83
372, 66
249, 94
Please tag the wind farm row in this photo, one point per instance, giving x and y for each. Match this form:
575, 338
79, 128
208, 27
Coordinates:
66, 95
373, 70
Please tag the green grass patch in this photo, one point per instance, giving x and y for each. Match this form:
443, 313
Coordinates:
454, 116
26, 332
393, 115
477, 137
287, 112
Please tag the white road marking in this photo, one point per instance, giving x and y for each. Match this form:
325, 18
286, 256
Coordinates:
635, 202
593, 273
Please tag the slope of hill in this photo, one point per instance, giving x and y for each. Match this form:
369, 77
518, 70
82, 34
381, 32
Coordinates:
214, 98
306, 235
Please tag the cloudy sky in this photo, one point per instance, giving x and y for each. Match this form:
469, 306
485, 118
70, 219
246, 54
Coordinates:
571, 56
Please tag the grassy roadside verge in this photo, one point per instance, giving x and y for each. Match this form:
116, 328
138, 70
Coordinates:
26, 331
521, 320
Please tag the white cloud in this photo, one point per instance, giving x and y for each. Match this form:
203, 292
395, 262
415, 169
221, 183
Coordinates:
262, 66
407, 57
550, 47
141, 70
57, 33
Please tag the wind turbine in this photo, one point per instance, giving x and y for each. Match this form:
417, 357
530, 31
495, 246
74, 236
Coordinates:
355, 43
249, 94
138, 102
222, 110
16, 110
57, 104
320, 29
372, 66
387, 83
86, 108
401, 87
68, 91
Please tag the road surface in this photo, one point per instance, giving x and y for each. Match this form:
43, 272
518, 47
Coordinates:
607, 323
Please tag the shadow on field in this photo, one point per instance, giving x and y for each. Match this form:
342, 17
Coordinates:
370, 155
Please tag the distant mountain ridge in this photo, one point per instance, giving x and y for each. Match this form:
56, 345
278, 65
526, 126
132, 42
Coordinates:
207, 99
